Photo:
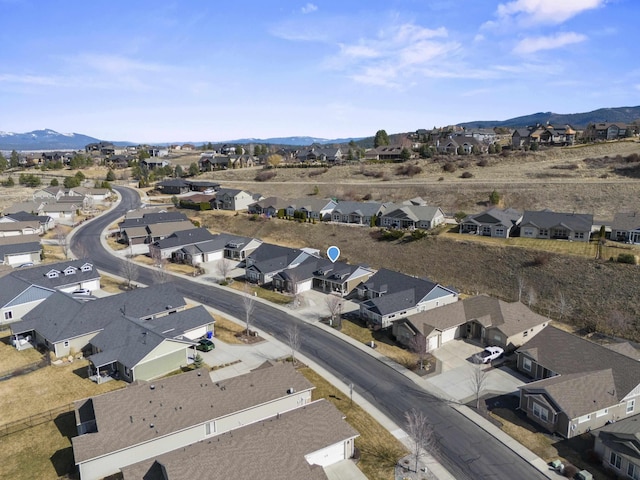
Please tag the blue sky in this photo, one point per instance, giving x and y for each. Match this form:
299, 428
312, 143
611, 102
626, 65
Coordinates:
160, 71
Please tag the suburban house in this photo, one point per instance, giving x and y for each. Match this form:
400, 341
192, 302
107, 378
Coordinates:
494, 222
556, 225
363, 213
134, 230
618, 445
322, 275
484, 319
388, 296
578, 385
607, 131
23, 289
62, 212
20, 250
146, 420
320, 154
45, 221
234, 199
173, 186
543, 135
268, 206
10, 229
318, 208
385, 152
626, 227
35, 207
299, 443
411, 217
166, 247
95, 195
269, 259
218, 247
460, 145
134, 349
210, 162
64, 323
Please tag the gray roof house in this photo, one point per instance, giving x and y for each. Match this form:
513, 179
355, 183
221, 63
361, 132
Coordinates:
20, 249
45, 221
411, 217
224, 245
8, 229
269, 259
167, 246
556, 225
357, 212
134, 349
297, 444
494, 222
268, 206
618, 445
234, 199
23, 289
578, 385
484, 319
626, 227
318, 208
388, 296
64, 323
146, 420
173, 186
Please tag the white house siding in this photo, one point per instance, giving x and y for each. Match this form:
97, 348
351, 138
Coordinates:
305, 286
196, 333
22, 258
328, 455
90, 285
160, 362
112, 463
213, 256
75, 344
433, 342
450, 334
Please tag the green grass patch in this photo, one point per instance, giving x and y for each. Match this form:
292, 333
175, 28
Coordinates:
270, 295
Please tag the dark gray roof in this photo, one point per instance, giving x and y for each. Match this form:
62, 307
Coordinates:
278, 447
579, 222
18, 248
365, 209
150, 218
626, 221
622, 436
174, 182
61, 317
506, 217
414, 213
566, 354
185, 237
305, 270
271, 258
29, 217
178, 402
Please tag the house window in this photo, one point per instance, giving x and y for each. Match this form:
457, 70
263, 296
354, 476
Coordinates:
615, 460
602, 413
633, 471
584, 418
127, 371
525, 333
210, 428
578, 235
631, 404
544, 232
540, 412
66, 344
500, 232
526, 364
8, 315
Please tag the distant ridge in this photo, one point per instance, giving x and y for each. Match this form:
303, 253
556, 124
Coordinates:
577, 120
46, 139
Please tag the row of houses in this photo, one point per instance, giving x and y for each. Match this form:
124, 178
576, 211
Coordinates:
546, 224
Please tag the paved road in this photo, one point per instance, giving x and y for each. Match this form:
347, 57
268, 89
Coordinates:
467, 451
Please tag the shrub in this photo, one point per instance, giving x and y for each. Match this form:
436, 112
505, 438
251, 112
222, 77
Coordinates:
408, 170
205, 206
265, 175
367, 197
315, 191
483, 162
466, 175
389, 235
570, 470
449, 167
494, 198
418, 233
464, 164
628, 258
541, 259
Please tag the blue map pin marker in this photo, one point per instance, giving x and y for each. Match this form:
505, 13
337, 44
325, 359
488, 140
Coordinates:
333, 253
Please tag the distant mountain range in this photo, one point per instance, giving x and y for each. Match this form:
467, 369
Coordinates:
51, 140
577, 120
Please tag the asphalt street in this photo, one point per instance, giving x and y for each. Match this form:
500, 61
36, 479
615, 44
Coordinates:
465, 449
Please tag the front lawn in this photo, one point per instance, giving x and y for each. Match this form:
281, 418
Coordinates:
10, 358
270, 295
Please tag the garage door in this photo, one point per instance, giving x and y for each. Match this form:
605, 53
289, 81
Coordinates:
433, 343
19, 259
327, 456
304, 286
196, 333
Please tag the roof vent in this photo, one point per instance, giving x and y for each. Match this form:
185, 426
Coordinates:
291, 390
151, 425
152, 387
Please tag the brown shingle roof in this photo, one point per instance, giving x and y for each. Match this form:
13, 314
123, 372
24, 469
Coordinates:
124, 417
273, 449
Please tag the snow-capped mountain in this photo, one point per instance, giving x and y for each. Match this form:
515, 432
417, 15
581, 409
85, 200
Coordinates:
46, 139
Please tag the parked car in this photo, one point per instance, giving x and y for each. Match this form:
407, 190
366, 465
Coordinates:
488, 354
81, 291
24, 265
205, 345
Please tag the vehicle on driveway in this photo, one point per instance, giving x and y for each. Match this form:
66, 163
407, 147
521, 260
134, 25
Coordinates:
81, 291
205, 345
488, 354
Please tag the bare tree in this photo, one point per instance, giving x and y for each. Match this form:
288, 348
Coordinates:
421, 433
532, 297
161, 274
334, 304
478, 381
248, 302
129, 270
224, 267
521, 286
420, 346
61, 237
563, 305
293, 339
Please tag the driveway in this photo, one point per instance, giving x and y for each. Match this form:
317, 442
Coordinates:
455, 380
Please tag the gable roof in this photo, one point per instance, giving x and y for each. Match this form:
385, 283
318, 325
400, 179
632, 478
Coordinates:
507, 217
18, 245
580, 222
622, 436
364, 209
567, 354
312, 204
414, 213
278, 447
185, 237
123, 417
151, 218
28, 217
626, 221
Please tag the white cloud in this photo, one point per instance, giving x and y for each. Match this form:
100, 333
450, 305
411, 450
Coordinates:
49, 80
309, 8
551, 42
545, 11
115, 64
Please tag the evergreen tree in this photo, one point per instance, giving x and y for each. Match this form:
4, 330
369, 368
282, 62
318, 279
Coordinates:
193, 169
111, 176
54, 182
381, 139
15, 159
3, 163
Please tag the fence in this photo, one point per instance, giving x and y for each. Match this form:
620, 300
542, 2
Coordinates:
34, 420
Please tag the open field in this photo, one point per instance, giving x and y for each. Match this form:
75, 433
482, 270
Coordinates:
380, 450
